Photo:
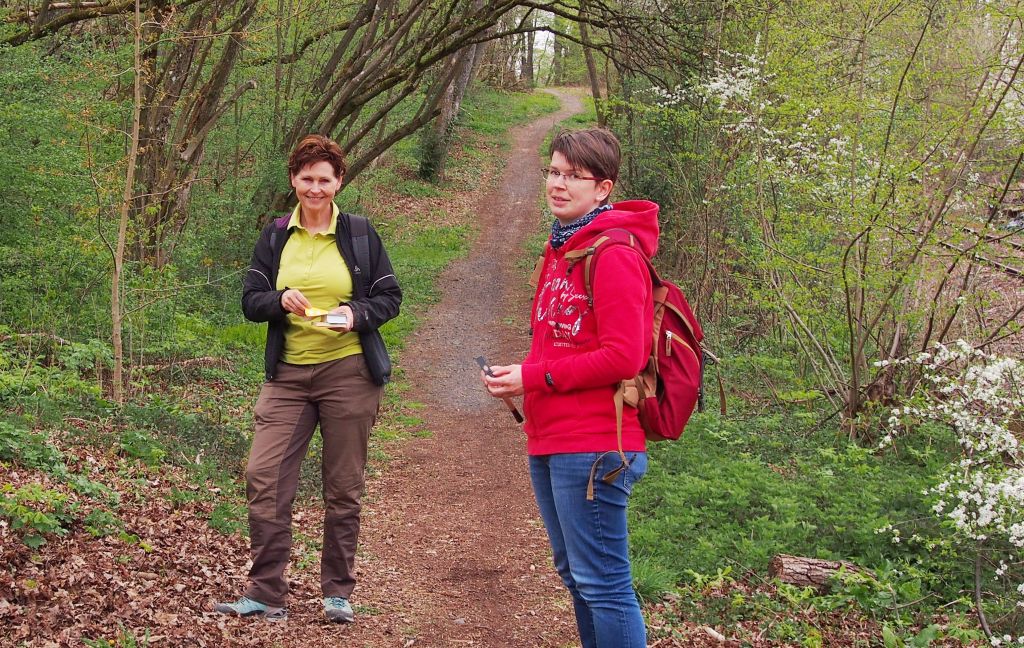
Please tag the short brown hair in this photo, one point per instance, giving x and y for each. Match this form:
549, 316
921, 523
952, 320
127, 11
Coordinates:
313, 149
593, 149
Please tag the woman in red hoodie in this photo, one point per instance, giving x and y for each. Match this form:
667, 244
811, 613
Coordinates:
581, 350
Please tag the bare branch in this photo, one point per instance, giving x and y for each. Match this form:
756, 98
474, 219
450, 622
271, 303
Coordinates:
37, 31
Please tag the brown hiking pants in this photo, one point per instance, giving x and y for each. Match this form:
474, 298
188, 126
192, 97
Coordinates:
342, 398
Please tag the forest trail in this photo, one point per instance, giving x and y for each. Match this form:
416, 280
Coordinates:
452, 549
453, 523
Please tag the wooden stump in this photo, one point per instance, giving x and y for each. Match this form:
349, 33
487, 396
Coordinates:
807, 572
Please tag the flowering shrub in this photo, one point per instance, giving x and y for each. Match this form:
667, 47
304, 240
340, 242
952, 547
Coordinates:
829, 177
980, 496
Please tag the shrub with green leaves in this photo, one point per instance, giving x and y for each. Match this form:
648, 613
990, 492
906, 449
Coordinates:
229, 517
28, 448
140, 445
35, 512
100, 523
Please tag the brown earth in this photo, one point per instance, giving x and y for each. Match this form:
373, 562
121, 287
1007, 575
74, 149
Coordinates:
452, 551
455, 520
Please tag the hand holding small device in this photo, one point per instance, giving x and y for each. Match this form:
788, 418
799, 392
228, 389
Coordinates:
486, 368
338, 319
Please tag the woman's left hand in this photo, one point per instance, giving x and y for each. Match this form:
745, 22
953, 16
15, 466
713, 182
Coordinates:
506, 381
347, 310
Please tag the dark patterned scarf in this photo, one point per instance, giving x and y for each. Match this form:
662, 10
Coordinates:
561, 233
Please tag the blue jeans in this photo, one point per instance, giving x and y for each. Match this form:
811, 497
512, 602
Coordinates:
591, 544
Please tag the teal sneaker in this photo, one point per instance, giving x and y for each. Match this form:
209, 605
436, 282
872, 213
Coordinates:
246, 607
338, 610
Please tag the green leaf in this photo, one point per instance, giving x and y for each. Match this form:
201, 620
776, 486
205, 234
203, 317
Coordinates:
925, 637
890, 638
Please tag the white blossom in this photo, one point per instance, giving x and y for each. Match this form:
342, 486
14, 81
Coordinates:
981, 493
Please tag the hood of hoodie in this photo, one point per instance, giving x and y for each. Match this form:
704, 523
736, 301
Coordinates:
638, 217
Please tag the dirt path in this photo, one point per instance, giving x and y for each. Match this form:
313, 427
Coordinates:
452, 549
453, 529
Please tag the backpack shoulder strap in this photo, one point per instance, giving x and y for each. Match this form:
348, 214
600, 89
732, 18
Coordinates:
359, 228
589, 254
280, 224
538, 267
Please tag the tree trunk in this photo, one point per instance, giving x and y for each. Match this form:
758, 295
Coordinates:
429, 109
807, 572
557, 76
182, 100
437, 139
280, 30
116, 307
588, 54
528, 75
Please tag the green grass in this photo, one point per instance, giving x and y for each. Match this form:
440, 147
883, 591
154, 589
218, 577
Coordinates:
777, 478
585, 119
743, 492
491, 112
419, 260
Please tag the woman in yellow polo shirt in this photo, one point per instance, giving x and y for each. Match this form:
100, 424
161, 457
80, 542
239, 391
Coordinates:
319, 371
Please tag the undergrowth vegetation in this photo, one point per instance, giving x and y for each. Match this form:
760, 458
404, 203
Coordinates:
191, 392
779, 474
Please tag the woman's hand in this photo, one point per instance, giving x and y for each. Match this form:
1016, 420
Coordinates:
293, 301
347, 310
506, 381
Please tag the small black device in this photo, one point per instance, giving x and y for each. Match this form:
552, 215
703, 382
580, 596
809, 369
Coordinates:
486, 368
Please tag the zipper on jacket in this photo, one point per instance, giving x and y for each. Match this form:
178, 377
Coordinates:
670, 338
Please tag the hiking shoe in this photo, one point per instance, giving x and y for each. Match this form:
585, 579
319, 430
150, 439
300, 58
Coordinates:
246, 607
338, 610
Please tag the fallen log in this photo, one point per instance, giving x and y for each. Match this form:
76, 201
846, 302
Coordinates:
808, 572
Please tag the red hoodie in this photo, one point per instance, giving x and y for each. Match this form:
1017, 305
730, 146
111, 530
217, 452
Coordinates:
587, 350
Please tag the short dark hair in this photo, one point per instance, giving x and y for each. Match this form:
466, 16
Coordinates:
593, 149
313, 149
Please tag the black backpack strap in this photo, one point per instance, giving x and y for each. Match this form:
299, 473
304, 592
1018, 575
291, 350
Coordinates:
374, 351
276, 229
360, 230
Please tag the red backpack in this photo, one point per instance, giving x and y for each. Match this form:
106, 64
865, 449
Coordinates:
669, 388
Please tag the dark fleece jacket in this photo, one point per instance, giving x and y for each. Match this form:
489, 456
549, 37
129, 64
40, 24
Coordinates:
261, 301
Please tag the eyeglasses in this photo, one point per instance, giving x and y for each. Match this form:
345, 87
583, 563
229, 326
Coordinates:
552, 174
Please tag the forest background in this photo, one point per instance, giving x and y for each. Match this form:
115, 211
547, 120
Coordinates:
841, 199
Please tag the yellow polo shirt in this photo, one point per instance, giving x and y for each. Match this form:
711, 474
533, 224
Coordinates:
312, 263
